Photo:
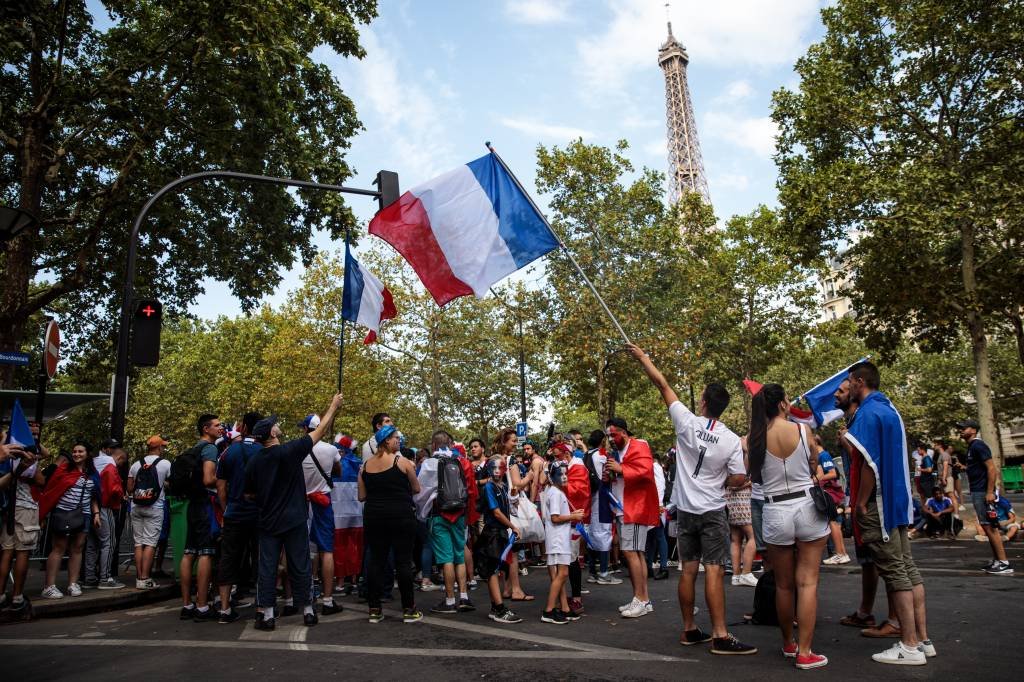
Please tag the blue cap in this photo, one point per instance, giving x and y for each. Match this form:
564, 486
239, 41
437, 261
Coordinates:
383, 433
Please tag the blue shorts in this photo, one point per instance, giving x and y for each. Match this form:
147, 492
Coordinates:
321, 527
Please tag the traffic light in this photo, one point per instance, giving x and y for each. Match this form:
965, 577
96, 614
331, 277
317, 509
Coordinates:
146, 332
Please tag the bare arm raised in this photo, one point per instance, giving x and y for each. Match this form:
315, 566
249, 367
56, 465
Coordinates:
653, 373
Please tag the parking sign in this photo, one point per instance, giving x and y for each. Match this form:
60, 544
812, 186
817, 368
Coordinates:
521, 432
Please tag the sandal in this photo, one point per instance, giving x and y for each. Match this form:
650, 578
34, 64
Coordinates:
886, 629
525, 597
855, 620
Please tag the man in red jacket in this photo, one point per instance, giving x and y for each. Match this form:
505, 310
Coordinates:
637, 495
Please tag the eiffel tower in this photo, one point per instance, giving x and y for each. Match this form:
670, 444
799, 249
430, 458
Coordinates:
686, 166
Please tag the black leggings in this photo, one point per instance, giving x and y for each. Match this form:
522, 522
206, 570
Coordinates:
575, 579
383, 536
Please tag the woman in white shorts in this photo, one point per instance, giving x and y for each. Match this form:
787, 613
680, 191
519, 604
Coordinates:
790, 517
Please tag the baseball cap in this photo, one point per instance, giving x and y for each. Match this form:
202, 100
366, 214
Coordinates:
968, 424
156, 440
263, 428
619, 423
310, 421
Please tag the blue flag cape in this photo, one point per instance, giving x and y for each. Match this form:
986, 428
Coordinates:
877, 433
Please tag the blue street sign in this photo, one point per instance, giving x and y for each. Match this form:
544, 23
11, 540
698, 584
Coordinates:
13, 358
521, 429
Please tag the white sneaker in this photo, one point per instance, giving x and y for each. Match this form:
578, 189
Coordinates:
75, 590
52, 592
608, 579
631, 604
736, 581
898, 654
648, 607
524, 571
428, 587
844, 559
637, 609
832, 560
747, 580
927, 648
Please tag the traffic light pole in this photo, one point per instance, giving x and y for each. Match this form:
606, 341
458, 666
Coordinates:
386, 192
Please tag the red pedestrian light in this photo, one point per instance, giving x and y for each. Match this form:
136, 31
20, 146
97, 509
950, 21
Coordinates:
146, 333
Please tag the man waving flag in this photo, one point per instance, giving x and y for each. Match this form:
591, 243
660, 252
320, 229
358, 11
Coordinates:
365, 298
465, 230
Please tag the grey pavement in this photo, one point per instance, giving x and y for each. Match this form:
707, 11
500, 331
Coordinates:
973, 620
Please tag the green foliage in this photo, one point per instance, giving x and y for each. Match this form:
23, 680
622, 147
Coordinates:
94, 120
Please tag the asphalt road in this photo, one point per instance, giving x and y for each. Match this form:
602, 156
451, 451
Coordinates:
974, 621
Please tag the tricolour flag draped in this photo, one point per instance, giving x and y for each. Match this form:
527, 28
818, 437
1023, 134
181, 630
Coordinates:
19, 433
365, 299
348, 516
465, 230
821, 398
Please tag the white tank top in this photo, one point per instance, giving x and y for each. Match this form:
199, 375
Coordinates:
792, 474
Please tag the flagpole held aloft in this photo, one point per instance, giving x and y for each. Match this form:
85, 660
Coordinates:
561, 243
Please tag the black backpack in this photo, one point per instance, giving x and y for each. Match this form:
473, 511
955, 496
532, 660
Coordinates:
765, 612
186, 477
595, 480
451, 485
147, 484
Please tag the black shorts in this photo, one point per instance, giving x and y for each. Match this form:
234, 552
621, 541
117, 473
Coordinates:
489, 548
202, 524
237, 541
703, 537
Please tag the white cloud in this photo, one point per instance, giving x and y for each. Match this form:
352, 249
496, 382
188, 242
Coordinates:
731, 181
738, 90
537, 11
543, 130
722, 33
404, 111
754, 133
656, 148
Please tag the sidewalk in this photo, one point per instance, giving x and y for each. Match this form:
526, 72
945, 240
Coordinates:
93, 600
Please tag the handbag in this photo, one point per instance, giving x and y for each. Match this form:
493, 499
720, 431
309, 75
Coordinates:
524, 516
69, 521
823, 502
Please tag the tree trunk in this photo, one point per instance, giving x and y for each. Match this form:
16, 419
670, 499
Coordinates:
979, 347
1018, 333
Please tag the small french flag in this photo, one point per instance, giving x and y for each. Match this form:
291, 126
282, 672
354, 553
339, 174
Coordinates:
506, 554
365, 299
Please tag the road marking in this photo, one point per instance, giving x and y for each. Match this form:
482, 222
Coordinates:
604, 653
152, 612
507, 633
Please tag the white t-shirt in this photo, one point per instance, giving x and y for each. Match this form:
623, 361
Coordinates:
369, 447
557, 536
659, 480
23, 495
707, 452
327, 455
162, 470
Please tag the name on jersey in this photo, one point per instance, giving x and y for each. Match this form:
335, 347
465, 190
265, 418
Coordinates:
707, 437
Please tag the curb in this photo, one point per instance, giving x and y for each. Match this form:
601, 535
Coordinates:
126, 598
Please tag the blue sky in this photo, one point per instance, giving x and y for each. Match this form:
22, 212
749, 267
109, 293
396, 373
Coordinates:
442, 76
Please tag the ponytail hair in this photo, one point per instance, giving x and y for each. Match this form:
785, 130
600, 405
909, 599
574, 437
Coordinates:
763, 408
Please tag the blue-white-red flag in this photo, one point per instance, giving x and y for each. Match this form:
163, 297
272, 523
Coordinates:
506, 554
821, 398
465, 230
365, 299
348, 512
19, 433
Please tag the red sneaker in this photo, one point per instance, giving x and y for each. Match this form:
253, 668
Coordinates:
810, 661
789, 650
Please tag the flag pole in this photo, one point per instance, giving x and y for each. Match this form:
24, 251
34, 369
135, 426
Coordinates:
341, 336
561, 243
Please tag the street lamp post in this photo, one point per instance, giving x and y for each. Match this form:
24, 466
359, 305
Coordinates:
386, 192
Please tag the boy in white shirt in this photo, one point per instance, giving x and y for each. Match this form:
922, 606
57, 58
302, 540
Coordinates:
558, 522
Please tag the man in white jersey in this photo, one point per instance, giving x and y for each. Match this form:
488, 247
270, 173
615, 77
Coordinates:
708, 458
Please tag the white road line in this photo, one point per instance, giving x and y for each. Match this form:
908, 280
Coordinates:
606, 653
509, 633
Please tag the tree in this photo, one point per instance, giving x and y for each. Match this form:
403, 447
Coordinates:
908, 128
94, 120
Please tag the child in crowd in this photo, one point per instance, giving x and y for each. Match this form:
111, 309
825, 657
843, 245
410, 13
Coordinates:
495, 537
558, 522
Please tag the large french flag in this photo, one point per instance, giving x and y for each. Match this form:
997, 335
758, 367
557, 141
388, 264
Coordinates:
348, 516
365, 299
465, 230
19, 433
821, 398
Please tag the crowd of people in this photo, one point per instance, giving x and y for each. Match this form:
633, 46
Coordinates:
449, 517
